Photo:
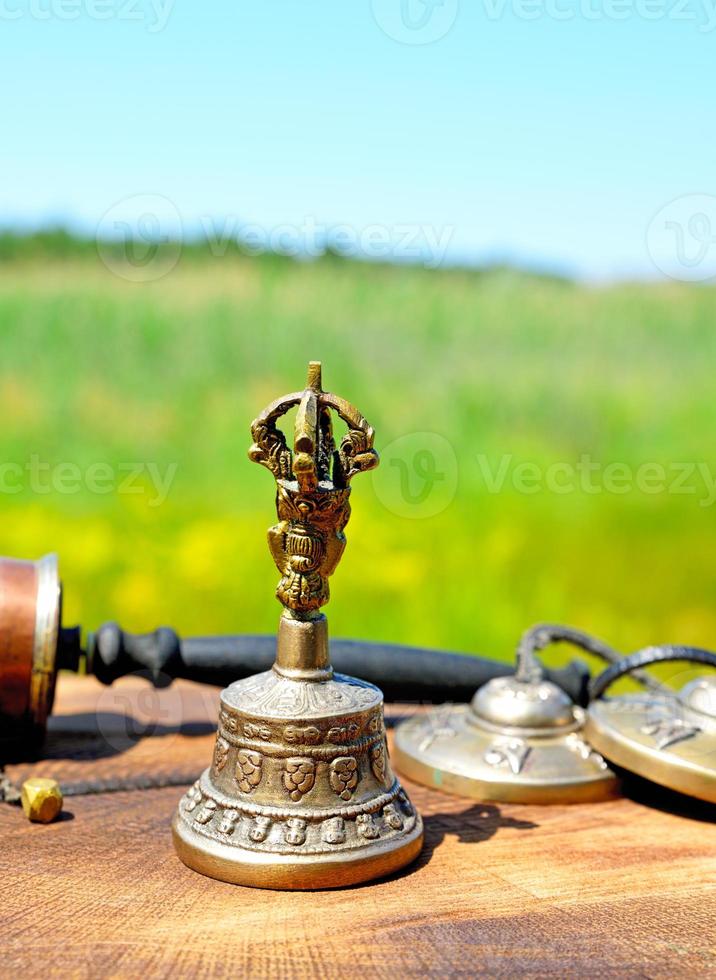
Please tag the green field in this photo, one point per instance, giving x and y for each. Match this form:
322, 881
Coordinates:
491, 366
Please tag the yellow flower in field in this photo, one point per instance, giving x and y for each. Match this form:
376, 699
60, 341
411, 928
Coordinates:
26, 404
501, 544
693, 624
206, 551
136, 595
95, 544
32, 532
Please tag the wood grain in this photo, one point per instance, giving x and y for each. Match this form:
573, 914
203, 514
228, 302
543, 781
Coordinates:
615, 889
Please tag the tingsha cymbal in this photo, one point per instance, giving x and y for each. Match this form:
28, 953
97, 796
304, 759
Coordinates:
520, 739
667, 737
301, 793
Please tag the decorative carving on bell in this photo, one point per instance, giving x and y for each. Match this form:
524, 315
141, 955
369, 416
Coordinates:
666, 736
520, 740
300, 793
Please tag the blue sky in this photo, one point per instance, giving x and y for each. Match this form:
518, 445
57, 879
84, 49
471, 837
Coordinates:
547, 132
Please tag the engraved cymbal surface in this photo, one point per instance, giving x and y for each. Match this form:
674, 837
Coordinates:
453, 752
658, 737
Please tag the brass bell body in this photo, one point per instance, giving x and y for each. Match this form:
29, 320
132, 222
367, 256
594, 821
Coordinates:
667, 738
300, 793
520, 740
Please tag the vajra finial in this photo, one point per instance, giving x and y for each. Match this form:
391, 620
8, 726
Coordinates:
313, 487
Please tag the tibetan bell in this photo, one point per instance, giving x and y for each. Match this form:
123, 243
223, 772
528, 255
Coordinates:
300, 793
520, 740
668, 737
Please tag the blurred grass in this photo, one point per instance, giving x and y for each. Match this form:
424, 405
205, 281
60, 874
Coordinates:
98, 369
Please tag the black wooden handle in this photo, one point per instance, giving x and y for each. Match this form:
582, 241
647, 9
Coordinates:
408, 674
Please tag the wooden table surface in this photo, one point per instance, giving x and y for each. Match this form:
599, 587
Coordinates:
620, 889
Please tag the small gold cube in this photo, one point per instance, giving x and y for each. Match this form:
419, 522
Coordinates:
41, 799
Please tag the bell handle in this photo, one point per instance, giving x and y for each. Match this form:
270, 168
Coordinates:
645, 658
